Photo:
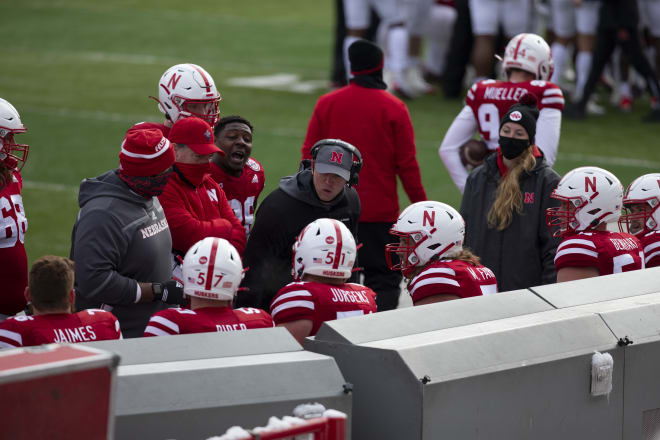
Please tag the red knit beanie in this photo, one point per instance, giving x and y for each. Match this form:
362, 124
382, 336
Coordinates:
145, 153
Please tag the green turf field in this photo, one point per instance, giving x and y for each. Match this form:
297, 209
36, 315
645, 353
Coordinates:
80, 72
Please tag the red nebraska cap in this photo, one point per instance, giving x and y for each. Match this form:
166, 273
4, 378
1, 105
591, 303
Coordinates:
145, 153
196, 134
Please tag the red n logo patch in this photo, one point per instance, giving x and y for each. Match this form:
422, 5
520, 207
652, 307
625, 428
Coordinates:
529, 197
336, 157
589, 183
173, 81
430, 217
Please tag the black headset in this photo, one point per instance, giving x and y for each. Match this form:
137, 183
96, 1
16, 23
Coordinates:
355, 167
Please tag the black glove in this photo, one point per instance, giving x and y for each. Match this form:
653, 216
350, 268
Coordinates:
170, 292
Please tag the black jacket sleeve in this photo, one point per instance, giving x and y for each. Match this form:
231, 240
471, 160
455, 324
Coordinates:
99, 244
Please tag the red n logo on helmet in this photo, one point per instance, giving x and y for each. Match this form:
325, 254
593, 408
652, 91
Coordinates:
430, 217
589, 183
173, 81
336, 157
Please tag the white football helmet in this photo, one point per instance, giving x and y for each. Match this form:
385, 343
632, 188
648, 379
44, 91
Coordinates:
324, 248
188, 90
13, 155
529, 52
592, 196
644, 191
429, 229
212, 269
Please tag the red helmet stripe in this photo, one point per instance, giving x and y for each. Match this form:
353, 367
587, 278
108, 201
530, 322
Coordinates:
515, 52
209, 271
335, 264
206, 81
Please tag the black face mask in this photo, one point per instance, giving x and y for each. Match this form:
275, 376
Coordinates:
512, 148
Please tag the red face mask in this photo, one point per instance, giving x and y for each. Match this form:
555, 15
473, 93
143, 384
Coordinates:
147, 186
194, 172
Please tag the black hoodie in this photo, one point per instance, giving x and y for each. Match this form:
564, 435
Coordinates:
278, 221
119, 238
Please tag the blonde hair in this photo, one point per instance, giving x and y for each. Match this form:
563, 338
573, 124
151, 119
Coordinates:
463, 255
508, 198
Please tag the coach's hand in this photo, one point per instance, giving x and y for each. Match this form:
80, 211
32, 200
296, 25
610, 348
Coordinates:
170, 292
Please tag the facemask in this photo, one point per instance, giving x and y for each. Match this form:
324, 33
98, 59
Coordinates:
194, 172
147, 186
512, 148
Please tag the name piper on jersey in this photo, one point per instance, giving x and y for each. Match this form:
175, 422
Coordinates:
624, 244
481, 273
504, 93
78, 334
341, 295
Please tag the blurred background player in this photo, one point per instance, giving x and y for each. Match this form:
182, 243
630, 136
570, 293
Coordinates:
212, 272
185, 90
505, 202
573, 21
432, 258
12, 235
324, 191
591, 198
438, 30
121, 241
379, 124
323, 258
642, 217
528, 66
195, 206
240, 176
51, 297
488, 16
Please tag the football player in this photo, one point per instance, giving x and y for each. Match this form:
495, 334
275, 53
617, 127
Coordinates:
642, 217
528, 65
431, 256
185, 90
323, 258
240, 176
591, 198
212, 272
14, 223
51, 296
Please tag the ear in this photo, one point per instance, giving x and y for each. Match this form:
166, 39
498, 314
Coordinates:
72, 296
26, 294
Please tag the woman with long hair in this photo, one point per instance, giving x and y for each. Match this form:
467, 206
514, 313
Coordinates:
504, 204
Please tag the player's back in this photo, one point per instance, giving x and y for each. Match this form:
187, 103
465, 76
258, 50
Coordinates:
452, 277
320, 302
177, 321
609, 252
84, 326
490, 100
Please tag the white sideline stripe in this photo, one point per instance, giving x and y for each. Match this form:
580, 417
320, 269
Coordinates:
290, 294
607, 160
576, 241
47, 186
156, 331
292, 304
444, 270
649, 257
16, 337
575, 251
166, 322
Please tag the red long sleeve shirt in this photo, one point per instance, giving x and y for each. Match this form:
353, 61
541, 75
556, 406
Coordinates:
379, 125
196, 213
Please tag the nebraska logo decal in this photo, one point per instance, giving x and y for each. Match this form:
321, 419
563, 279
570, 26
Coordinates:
515, 116
589, 183
173, 81
336, 157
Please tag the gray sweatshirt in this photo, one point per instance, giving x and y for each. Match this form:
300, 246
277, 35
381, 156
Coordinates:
119, 239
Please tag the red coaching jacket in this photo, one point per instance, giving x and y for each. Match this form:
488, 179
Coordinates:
379, 125
194, 213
